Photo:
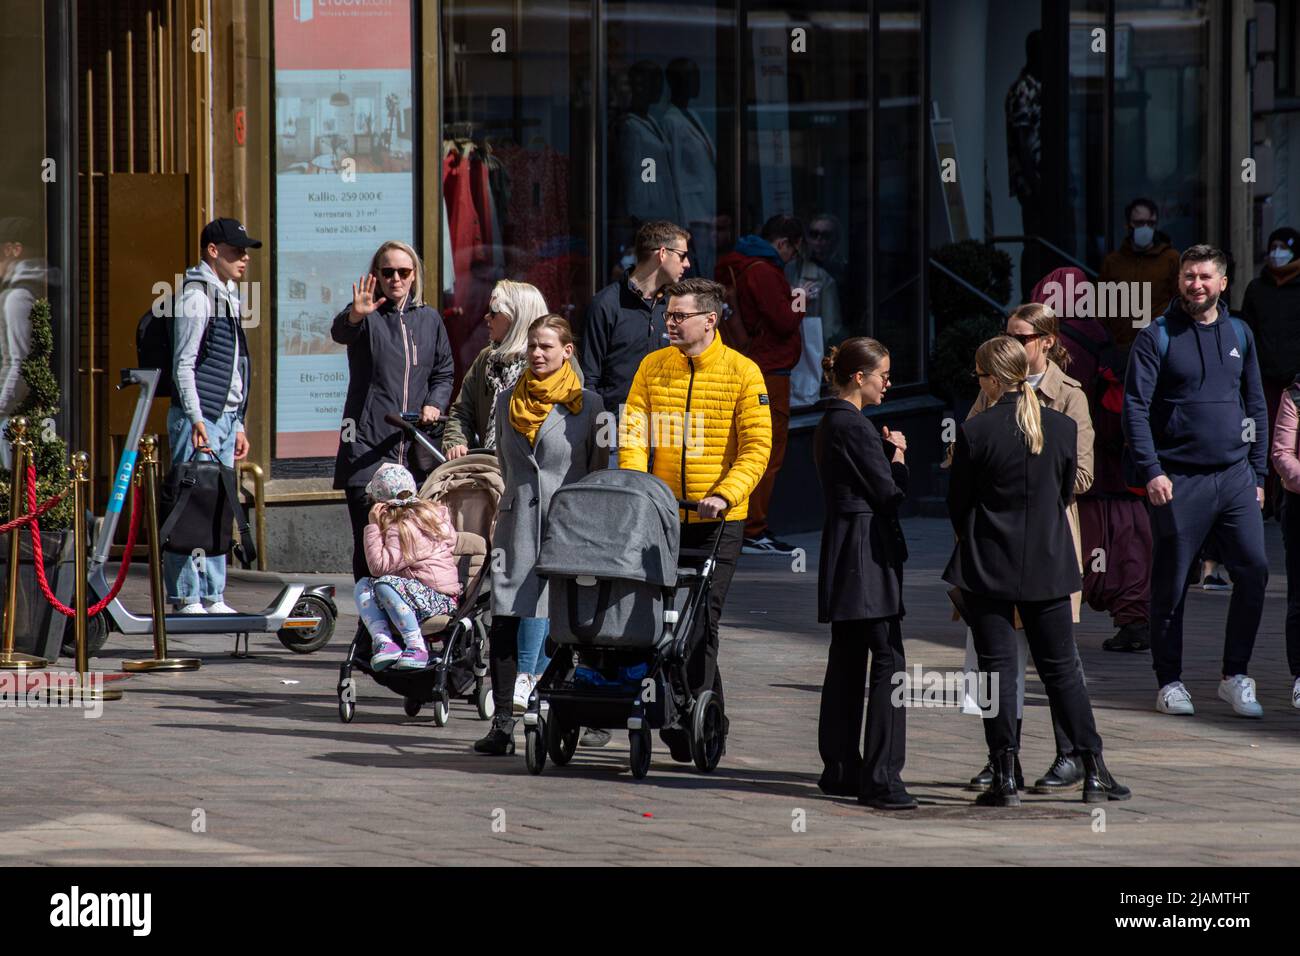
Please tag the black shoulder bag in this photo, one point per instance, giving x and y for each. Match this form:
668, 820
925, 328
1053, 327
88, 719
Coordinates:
198, 504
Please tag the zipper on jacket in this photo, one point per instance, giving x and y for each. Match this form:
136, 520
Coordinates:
690, 385
406, 379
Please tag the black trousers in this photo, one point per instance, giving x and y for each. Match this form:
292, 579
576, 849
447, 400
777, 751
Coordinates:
884, 741
1219, 505
702, 667
359, 514
1291, 538
1050, 633
503, 661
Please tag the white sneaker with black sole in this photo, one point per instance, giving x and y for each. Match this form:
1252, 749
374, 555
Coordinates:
1295, 694
767, 545
1239, 691
1174, 699
523, 690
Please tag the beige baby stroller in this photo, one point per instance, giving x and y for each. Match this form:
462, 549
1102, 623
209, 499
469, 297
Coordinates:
471, 488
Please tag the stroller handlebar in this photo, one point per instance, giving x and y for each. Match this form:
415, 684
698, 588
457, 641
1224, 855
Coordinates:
398, 421
688, 505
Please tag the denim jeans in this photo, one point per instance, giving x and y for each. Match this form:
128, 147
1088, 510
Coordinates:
381, 609
190, 578
532, 645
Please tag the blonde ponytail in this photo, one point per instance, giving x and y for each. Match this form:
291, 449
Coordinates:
1007, 361
1030, 418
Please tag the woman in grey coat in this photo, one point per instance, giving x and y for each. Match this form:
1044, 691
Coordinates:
546, 436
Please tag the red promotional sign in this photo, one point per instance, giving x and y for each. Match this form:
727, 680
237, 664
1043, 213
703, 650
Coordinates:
346, 34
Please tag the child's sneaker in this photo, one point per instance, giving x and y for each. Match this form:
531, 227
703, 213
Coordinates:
414, 658
385, 652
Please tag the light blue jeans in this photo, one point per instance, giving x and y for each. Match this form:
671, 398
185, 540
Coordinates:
188, 578
381, 609
532, 645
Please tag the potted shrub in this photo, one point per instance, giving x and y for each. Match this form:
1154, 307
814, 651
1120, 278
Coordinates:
39, 628
962, 320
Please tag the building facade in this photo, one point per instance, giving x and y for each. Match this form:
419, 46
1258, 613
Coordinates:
527, 138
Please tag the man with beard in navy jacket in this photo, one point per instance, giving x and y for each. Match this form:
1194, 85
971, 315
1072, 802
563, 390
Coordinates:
1197, 432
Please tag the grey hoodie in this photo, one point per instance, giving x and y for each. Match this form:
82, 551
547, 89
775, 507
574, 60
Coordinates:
191, 322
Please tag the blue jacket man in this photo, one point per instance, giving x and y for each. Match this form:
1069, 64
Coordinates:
1196, 426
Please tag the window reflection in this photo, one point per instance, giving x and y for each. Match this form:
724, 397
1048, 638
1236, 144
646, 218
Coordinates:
516, 142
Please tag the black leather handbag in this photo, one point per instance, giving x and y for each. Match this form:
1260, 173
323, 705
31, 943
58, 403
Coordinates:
198, 505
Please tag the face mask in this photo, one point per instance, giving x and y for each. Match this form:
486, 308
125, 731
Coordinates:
1279, 257
1142, 236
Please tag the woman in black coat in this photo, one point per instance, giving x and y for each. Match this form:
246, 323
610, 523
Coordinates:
1011, 481
860, 582
399, 361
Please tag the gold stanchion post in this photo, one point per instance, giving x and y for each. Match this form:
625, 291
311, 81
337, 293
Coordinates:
11, 659
160, 660
81, 501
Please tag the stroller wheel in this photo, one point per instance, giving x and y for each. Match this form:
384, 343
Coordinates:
411, 706
706, 732
640, 743
483, 699
534, 750
561, 741
441, 711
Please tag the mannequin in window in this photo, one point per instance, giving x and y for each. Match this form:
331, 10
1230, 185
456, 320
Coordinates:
644, 165
694, 160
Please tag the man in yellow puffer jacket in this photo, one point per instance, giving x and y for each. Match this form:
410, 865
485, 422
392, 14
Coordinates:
701, 410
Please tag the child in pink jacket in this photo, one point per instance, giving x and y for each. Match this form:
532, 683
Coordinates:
1286, 459
408, 545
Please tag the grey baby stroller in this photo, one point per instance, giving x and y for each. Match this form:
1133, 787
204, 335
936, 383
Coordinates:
471, 488
626, 610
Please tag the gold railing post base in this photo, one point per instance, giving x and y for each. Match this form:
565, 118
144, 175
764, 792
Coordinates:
81, 692
15, 660
165, 664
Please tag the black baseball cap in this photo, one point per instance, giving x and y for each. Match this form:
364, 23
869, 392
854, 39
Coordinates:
229, 231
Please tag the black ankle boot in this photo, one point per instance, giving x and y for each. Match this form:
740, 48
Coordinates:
1130, 638
1098, 785
1003, 791
500, 739
982, 780
1065, 774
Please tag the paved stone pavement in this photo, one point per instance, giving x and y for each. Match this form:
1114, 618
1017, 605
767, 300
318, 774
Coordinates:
256, 746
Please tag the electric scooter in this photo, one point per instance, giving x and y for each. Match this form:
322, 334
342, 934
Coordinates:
302, 616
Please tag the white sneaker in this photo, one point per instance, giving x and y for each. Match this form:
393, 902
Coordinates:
1174, 699
195, 608
221, 607
523, 690
1295, 694
1239, 691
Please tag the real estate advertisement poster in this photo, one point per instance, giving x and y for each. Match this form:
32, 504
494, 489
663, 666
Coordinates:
345, 166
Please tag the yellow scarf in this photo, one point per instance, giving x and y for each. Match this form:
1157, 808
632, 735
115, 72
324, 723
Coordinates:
533, 397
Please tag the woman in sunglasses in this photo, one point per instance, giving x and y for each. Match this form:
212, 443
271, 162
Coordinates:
1037, 329
399, 361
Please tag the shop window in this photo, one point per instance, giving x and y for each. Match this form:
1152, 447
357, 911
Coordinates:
1161, 100
516, 157
33, 193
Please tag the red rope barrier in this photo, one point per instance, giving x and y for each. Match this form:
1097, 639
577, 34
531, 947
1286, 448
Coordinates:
36, 512
39, 558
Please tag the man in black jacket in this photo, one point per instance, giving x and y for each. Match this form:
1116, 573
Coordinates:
625, 321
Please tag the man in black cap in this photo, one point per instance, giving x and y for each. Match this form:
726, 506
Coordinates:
210, 369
